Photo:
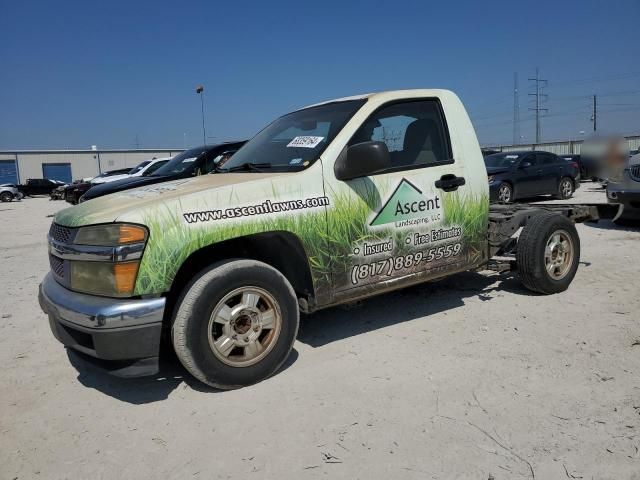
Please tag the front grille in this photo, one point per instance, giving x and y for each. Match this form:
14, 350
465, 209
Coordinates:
61, 234
57, 266
634, 172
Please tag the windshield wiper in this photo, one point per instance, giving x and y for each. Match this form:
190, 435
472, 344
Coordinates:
249, 166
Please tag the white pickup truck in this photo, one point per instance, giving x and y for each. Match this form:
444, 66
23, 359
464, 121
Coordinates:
326, 205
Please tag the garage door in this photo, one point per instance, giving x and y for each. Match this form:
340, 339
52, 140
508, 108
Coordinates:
8, 172
57, 171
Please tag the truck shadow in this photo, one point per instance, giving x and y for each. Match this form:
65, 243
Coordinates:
142, 390
316, 330
327, 326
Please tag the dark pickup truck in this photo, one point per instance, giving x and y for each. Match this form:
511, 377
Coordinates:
39, 186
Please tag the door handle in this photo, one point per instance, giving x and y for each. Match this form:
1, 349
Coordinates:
449, 182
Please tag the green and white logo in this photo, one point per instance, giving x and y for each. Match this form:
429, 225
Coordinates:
407, 202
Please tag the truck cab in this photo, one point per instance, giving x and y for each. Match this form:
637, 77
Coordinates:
328, 204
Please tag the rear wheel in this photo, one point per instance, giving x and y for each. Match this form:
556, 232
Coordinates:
6, 196
235, 324
548, 253
505, 193
565, 188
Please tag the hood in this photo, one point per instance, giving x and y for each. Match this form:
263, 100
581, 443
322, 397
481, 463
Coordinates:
495, 170
102, 189
112, 178
109, 208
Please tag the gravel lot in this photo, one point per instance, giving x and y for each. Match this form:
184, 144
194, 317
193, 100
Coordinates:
469, 377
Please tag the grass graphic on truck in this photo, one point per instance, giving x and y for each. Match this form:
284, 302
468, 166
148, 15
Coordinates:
326, 234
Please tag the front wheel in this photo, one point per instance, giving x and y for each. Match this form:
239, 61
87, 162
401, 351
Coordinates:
548, 253
235, 324
6, 196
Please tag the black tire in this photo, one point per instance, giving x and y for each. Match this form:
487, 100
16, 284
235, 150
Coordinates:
6, 196
505, 193
566, 187
532, 247
191, 327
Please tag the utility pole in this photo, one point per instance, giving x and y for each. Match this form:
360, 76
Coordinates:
200, 90
539, 98
516, 110
137, 142
594, 115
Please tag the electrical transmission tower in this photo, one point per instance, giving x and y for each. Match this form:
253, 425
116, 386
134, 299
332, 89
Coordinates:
539, 99
516, 110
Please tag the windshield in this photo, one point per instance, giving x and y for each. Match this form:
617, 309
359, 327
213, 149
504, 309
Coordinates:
181, 162
297, 139
139, 167
501, 159
154, 167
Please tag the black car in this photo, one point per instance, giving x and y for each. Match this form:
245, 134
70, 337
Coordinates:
39, 186
190, 163
514, 175
73, 192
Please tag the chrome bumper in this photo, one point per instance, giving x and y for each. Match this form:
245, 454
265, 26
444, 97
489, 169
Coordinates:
105, 328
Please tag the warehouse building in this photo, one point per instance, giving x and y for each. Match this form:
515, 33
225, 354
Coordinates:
68, 165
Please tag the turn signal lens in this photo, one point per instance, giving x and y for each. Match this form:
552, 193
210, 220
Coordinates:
132, 234
125, 276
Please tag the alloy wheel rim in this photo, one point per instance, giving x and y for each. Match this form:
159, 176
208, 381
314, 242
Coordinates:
566, 188
558, 254
244, 326
505, 193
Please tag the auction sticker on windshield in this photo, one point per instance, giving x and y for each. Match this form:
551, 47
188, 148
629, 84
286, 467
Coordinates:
305, 142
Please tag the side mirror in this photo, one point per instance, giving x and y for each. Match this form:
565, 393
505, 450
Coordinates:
361, 160
525, 164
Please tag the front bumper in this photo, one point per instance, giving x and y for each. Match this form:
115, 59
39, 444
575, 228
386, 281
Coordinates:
123, 334
630, 201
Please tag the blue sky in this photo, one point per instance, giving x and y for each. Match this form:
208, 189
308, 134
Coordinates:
76, 74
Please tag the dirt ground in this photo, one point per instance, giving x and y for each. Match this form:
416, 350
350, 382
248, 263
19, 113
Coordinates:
471, 377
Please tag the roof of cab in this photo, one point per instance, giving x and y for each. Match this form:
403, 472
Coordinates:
390, 94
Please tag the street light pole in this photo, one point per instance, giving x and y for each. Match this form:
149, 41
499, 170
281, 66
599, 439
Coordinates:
200, 91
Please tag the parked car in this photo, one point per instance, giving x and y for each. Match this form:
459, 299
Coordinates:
144, 168
576, 160
318, 209
624, 188
521, 174
74, 191
190, 163
39, 186
9, 192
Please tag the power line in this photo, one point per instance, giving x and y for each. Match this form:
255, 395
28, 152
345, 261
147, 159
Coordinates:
516, 110
538, 99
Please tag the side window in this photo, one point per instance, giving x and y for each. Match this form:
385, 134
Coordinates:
546, 159
414, 132
531, 158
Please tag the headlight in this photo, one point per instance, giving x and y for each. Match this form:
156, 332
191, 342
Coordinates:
102, 278
109, 259
490, 178
110, 235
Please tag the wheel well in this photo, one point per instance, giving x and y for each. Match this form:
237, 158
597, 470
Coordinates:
282, 250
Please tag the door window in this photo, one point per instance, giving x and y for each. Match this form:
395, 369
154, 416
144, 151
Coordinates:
414, 133
546, 159
531, 158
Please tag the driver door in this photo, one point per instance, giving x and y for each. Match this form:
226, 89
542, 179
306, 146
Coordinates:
396, 224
